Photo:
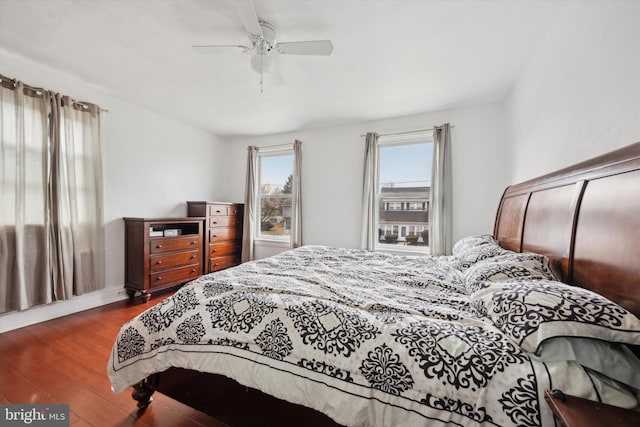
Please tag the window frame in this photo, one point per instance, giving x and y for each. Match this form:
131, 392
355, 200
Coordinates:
390, 141
275, 152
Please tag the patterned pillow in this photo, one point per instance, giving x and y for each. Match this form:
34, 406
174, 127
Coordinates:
531, 312
471, 242
511, 266
479, 253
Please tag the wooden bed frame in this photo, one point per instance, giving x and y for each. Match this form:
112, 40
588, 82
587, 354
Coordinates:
585, 218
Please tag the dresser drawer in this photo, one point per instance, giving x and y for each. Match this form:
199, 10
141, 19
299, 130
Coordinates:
175, 275
225, 248
221, 234
225, 221
218, 210
162, 262
220, 263
158, 246
224, 210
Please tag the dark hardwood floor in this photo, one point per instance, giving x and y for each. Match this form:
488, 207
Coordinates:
65, 361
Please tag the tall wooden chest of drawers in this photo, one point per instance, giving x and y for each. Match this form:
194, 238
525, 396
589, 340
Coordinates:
222, 231
161, 253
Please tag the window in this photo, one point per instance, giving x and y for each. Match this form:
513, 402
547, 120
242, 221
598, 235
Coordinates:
276, 174
404, 184
77, 163
32, 153
50, 197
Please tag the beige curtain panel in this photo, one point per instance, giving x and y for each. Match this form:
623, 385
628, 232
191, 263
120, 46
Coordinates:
441, 212
369, 231
250, 204
296, 197
51, 197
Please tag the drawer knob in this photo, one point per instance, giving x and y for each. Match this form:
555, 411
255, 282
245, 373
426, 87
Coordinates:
193, 270
158, 246
193, 256
159, 278
193, 242
214, 250
215, 235
215, 222
215, 264
158, 262
218, 211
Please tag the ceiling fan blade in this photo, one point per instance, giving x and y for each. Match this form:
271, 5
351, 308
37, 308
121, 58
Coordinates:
311, 47
247, 13
219, 48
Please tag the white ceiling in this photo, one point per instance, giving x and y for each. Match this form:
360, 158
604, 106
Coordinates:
390, 58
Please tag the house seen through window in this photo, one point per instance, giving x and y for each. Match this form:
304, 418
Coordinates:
276, 173
404, 185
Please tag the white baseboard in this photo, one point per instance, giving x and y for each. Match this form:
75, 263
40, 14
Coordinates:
18, 319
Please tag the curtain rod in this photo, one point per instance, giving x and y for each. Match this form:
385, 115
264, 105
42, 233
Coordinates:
275, 146
404, 133
39, 91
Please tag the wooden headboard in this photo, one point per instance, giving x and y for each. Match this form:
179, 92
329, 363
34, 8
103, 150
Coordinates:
586, 219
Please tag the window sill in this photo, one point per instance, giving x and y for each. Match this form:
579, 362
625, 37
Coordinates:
402, 250
276, 243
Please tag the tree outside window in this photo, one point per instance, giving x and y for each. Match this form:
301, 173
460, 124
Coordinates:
275, 195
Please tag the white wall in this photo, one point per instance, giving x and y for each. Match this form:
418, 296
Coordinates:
333, 160
579, 96
152, 166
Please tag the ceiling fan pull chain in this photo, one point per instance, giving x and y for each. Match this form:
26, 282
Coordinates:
261, 56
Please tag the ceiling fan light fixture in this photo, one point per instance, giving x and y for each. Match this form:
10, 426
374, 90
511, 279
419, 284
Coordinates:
261, 64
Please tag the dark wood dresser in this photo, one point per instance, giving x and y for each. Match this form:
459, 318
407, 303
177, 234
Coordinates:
161, 253
222, 231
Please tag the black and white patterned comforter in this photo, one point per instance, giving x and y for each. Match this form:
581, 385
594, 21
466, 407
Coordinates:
367, 338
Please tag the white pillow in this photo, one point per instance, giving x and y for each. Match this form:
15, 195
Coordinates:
611, 359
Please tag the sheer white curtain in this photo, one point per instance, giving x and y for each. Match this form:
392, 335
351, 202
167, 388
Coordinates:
296, 196
440, 214
51, 224
369, 188
24, 225
250, 204
76, 199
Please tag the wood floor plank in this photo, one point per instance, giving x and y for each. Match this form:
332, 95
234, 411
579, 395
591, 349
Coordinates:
64, 360
18, 389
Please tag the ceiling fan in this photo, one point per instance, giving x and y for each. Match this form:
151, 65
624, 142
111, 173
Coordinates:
263, 46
